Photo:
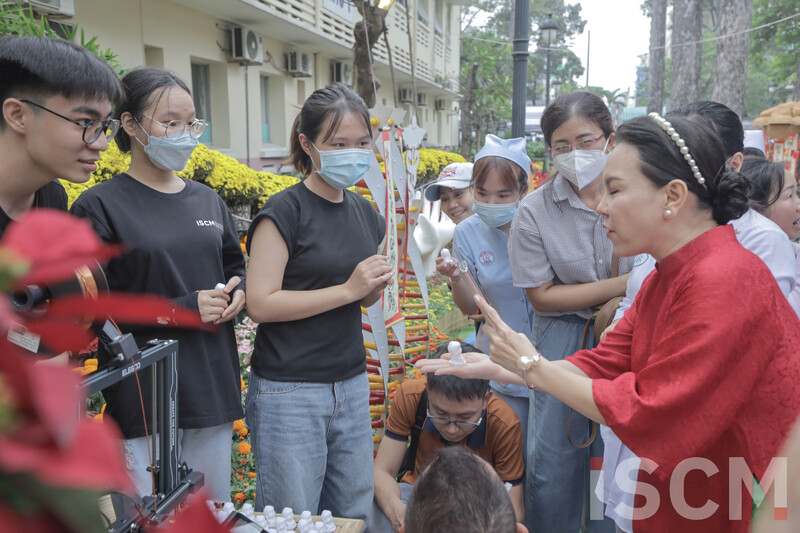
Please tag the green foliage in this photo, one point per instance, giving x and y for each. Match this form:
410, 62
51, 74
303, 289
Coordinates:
17, 19
535, 150
494, 77
495, 67
774, 55
617, 96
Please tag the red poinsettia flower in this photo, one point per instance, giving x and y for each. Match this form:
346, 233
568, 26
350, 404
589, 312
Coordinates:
53, 464
52, 245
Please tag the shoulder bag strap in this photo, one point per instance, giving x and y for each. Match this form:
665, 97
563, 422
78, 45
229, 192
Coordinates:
410, 457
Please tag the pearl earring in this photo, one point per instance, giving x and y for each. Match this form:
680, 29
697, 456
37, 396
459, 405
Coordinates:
668, 212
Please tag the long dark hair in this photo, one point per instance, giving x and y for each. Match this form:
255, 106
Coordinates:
580, 104
332, 102
143, 87
766, 182
725, 190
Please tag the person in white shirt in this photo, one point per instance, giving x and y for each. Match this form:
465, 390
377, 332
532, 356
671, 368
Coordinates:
774, 195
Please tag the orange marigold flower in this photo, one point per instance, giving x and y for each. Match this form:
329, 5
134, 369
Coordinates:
240, 476
243, 460
242, 380
240, 497
243, 432
238, 425
251, 474
239, 471
244, 448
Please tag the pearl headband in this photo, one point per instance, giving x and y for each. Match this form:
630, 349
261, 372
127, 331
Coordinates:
667, 127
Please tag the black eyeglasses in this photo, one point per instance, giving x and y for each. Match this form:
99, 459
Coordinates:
92, 129
461, 424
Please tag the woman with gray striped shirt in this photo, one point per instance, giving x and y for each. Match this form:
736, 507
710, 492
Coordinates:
561, 256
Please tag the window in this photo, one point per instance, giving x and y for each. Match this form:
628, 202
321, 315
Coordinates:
437, 25
201, 94
264, 109
422, 12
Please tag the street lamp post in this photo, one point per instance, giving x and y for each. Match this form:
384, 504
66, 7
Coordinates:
520, 54
548, 31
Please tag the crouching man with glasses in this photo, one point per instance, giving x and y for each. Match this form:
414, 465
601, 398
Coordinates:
433, 413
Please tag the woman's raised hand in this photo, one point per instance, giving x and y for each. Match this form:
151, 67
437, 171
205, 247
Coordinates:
370, 274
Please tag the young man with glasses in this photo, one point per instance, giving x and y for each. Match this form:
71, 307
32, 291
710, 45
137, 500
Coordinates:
459, 412
57, 99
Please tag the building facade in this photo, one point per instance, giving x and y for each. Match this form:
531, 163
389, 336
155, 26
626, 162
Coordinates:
252, 63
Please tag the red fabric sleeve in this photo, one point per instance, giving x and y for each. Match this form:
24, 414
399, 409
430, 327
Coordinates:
695, 372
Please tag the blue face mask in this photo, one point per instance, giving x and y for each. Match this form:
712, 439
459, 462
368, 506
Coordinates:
494, 215
343, 168
170, 153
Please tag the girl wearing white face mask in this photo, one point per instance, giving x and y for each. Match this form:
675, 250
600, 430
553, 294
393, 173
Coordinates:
560, 254
313, 264
499, 182
181, 242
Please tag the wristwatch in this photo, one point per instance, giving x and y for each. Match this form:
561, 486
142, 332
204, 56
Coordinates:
525, 362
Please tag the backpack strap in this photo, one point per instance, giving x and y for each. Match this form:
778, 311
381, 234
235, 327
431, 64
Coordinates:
410, 458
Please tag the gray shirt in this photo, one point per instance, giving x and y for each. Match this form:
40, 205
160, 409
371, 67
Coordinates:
555, 237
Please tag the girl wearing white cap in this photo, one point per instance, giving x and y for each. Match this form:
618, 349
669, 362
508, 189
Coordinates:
453, 192
499, 181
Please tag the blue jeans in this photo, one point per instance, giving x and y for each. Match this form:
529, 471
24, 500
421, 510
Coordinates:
378, 523
312, 444
558, 480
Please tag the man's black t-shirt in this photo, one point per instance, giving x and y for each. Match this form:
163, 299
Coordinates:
52, 196
326, 241
177, 245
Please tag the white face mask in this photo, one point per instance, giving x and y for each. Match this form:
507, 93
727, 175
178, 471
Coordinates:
581, 167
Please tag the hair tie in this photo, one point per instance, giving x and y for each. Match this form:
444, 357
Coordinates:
667, 127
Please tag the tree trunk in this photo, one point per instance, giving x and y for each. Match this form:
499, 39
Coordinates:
731, 67
687, 27
467, 104
375, 24
655, 77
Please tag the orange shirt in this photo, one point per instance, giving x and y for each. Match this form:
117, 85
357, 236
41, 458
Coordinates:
498, 439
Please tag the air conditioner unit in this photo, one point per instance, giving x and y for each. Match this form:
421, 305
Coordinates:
440, 104
341, 73
422, 99
246, 46
51, 8
406, 96
298, 64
